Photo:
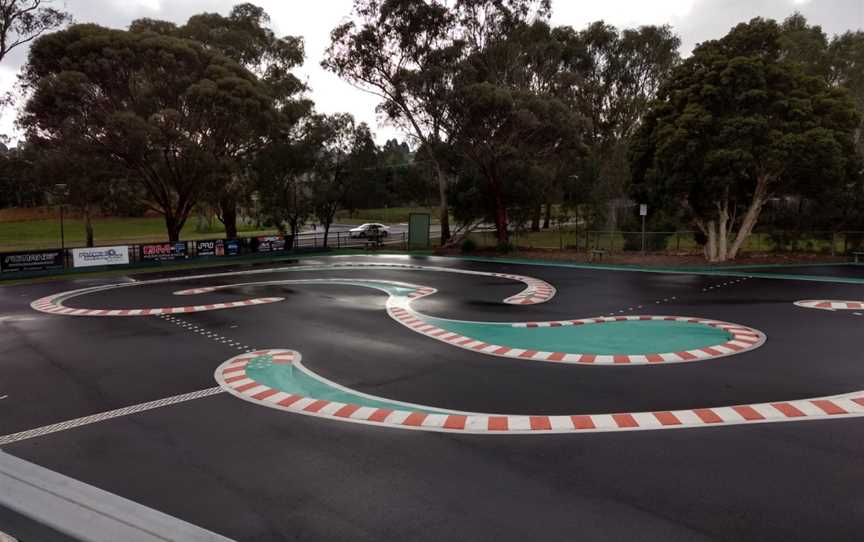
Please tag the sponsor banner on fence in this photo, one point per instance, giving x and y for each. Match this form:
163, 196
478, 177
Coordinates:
273, 243
31, 261
214, 247
163, 251
91, 257
217, 247
232, 247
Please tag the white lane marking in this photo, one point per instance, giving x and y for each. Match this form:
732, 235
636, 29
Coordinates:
108, 415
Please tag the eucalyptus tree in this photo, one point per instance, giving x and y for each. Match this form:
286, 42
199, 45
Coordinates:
244, 36
170, 110
346, 156
402, 51
22, 21
619, 73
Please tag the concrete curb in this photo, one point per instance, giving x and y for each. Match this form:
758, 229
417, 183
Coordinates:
86, 512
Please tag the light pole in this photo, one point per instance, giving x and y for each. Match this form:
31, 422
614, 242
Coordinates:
61, 188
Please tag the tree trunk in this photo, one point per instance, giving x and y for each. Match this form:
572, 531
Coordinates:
444, 216
548, 218
500, 214
535, 218
752, 215
326, 232
711, 246
88, 226
722, 231
173, 225
228, 210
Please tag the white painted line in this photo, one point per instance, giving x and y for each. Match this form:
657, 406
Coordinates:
108, 415
85, 512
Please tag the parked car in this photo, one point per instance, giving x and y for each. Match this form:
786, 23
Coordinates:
369, 230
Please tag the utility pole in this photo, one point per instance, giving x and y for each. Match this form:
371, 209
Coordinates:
643, 211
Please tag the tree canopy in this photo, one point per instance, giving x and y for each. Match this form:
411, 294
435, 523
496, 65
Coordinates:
22, 21
170, 109
737, 123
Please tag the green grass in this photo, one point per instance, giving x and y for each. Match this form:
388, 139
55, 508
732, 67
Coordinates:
45, 233
36, 234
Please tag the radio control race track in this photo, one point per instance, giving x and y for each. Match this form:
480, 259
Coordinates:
414, 398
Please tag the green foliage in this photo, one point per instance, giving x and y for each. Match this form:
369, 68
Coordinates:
736, 123
21, 21
468, 245
173, 112
505, 247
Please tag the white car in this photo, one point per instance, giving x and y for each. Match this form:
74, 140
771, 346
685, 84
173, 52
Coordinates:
369, 230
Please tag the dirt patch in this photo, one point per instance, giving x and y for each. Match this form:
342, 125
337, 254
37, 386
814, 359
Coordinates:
652, 260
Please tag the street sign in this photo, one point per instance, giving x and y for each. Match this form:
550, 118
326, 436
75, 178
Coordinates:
643, 209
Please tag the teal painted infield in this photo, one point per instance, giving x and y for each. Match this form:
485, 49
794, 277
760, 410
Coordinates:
296, 381
621, 338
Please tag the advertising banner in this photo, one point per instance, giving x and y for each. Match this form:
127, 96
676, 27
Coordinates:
163, 252
214, 247
274, 243
92, 257
232, 247
31, 261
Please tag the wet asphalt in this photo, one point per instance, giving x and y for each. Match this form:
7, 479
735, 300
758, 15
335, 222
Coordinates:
253, 473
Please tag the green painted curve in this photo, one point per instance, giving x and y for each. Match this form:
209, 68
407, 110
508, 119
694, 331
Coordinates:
610, 338
289, 379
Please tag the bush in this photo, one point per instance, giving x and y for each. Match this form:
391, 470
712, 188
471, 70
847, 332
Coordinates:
505, 247
468, 245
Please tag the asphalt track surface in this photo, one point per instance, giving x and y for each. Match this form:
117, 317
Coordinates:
254, 473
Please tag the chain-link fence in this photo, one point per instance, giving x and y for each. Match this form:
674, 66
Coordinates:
679, 242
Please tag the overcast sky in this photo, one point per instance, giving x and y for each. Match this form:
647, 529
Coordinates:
693, 20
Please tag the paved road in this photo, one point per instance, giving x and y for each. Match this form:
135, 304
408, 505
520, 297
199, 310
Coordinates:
254, 473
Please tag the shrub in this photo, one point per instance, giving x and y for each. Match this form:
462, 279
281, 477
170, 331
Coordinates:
468, 245
505, 247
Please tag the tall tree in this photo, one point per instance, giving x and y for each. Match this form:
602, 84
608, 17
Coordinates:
846, 54
735, 124
282, 170
346, 156
22, 21
90, 178
402, 51
245, 37
619, 74
169, 109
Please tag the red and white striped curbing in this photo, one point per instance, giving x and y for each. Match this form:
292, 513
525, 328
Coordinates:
743, 338
831, 305
232, 376
53, 305
536, 291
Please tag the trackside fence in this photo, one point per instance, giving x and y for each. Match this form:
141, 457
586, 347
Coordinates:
679, 242
47, 261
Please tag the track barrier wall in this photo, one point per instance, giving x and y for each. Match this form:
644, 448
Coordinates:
32, 263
